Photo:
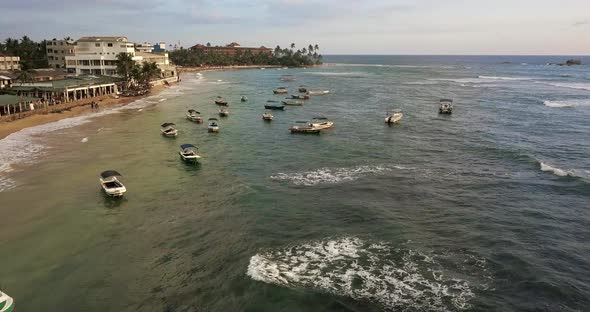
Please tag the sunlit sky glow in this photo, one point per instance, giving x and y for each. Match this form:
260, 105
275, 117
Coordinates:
338, 26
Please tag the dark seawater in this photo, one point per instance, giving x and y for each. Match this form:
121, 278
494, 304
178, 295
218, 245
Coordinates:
483, 210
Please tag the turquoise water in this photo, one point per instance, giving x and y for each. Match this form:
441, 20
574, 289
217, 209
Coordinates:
482, 210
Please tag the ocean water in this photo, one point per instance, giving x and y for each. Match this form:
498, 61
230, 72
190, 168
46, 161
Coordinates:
483, 210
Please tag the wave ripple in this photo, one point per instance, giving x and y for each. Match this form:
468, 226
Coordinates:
332, 175
395, 278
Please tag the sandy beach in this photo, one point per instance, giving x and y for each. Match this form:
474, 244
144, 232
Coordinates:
8, 127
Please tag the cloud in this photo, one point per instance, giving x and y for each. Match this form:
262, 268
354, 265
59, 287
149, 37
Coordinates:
581, 23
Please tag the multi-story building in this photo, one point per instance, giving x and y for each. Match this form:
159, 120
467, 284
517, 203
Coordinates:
98, 55
230, 49
159, 47
9, 63
144, 47
57, 50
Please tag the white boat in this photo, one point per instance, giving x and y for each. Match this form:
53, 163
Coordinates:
445, 106
6, 303
281, 90
394, 116
267, 116
188, 152
169, 130
111, 184
193, 115
323, 92
223, 112
213, 125
321, 123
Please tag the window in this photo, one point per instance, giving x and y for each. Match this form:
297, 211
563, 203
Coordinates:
61, 43
97, 44
109, 44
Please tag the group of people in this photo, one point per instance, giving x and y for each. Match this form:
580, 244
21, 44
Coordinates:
94, 105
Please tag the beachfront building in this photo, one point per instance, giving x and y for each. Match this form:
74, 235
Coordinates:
230, 49
9, 63
5, 81
67, 90
144, 47
98, 55
57, 50
14, 104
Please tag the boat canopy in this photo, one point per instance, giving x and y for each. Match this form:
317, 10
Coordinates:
110, 173
185, 146
167, 124
193, 111
272, 101
320, 118
212, 118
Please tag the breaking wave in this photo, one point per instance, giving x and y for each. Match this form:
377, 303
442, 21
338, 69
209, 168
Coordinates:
556, 171
571, 85
341, 74
567, 103
504, 78
333, 175
396, 278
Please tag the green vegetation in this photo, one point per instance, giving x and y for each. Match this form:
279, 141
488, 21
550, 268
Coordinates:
32, 54
283, 57
135, 76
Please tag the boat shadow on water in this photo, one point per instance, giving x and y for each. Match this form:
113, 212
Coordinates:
110, 202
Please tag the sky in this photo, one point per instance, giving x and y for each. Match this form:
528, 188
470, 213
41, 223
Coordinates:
514, 27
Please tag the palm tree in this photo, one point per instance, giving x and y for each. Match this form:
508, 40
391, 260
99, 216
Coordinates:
278, 50
125, 65
149, 71
208, 44
316, 47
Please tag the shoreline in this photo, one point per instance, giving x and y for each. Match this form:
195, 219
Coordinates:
230, 67
9, 127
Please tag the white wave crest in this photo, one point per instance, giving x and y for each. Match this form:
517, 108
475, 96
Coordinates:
570, 85
556, 171
504, 78
567, 103
419, 83
333, 175
395, 278
344, 74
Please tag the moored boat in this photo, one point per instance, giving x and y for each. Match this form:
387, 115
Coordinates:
302, 89
445, 106
6, 303
281, 90
394, 116
275, 107
213, 125
110, 183
244, 98
188, 152
223, 112
287, 78
304, 127
267, 116
169, 130
193, 115
321, 92
321, 123
220, 101
292, 102
300, 96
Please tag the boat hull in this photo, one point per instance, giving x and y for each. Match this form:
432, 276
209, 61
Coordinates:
213, 129
323, 125
395, 118
189, 158
274, 107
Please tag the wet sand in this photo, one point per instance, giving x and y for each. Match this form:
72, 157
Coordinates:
8, 127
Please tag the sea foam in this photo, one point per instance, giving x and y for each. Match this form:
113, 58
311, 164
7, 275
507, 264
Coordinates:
567, 103
395, 278
334, 175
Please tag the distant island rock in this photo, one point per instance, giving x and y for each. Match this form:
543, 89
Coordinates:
570, 62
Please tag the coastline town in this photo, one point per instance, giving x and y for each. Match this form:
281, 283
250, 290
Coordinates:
96, 69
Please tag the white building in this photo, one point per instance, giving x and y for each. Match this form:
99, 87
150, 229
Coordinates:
98, 55
145, 47
57, 50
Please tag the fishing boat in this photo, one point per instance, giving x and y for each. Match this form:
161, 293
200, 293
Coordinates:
287, 78
275, 107
394, 116
304, 127
6, 303
302, 89
267, 116
110, 183
188, 152
220, 101
244, 99
193, 115
445, 106
300, 96
223, 112
213, 125
281, 90
322, 92
292, 102
169, 130
321, 123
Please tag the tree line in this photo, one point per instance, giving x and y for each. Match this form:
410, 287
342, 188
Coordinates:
136, 76
284, 57
32, 54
